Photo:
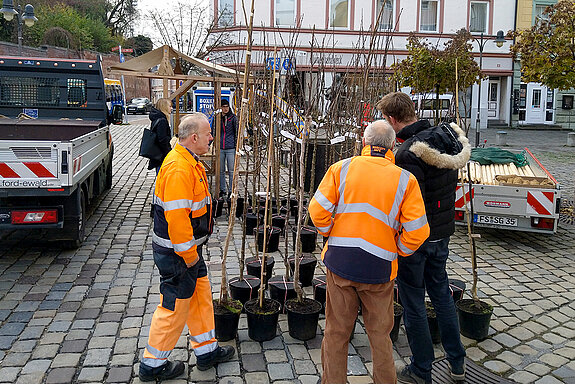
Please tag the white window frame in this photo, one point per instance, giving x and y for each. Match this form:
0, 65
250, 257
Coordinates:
540, 16
438, 9
392, 26
487, 5
221, 22
331, 14
276, 23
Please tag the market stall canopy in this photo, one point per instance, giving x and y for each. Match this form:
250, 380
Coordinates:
163, 57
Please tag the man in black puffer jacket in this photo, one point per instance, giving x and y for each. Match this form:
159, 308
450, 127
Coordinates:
433, 155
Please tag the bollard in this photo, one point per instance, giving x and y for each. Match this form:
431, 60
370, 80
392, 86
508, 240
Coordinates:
571, 139
501, 138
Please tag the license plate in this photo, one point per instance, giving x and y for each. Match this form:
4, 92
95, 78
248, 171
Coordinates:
496, 220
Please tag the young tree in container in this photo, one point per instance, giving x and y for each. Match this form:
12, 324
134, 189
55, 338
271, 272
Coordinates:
431, 69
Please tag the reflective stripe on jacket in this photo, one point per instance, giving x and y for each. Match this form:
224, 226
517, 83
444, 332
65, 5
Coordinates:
182, 205
379, 213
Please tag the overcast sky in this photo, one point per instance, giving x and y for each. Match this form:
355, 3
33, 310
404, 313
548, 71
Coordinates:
144, 6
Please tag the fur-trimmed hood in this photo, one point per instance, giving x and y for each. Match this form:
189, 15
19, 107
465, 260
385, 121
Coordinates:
444, 146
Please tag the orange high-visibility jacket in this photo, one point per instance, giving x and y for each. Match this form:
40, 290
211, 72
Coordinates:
182, 202
379, 213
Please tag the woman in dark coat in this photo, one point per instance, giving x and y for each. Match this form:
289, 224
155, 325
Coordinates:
159, 117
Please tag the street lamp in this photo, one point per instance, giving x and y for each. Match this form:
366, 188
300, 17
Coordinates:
499, 40
27, 17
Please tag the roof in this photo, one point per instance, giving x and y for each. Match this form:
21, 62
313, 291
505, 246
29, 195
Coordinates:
162, 56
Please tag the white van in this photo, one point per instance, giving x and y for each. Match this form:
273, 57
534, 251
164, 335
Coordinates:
425, 106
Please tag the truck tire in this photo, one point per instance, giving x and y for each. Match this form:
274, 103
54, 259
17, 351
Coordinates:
108, 184
74, 227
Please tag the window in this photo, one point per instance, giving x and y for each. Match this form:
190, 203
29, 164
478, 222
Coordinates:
338, 15
29, 91
493, 88
226, 11
539, 11
285, 12
386, 20
536, 101
429, 15
77, 93
478, 17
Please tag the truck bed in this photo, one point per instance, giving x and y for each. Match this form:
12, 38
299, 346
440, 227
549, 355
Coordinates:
53, 130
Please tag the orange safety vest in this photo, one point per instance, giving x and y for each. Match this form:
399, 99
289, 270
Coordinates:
182, 201
372, 210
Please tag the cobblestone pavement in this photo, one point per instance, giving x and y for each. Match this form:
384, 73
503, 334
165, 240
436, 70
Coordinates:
83, 315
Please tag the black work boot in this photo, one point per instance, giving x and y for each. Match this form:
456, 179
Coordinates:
221, 354
170, 370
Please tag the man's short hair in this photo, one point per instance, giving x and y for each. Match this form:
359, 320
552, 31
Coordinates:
191, 124
379, 133
399, 106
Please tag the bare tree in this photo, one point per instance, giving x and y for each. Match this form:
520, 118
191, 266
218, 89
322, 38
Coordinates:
120, 16
186, 27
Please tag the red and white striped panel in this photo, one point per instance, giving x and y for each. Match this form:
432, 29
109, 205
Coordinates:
27, 170
540, 203
459, 196
77, 164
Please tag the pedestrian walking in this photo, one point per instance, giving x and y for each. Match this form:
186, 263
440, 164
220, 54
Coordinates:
379, 214
433, 155
159, 116
228, 137
182, 224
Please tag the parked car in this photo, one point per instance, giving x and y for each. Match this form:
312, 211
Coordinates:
139, 105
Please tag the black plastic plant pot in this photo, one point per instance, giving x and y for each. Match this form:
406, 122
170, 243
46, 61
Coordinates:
281, 289
253, 267
302, 318
227, 317
251, 223
432, 322
279, 221
397, 315
273, 239
306, 269
218, 206
262, 321
244, 289
474, 320
294, 209
239, 207
396, 293
457, 288
319, 286
308, 238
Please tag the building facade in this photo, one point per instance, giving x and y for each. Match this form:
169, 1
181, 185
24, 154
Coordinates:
534, 104
340, 29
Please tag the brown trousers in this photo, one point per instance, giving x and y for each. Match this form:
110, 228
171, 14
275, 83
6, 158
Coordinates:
342, 304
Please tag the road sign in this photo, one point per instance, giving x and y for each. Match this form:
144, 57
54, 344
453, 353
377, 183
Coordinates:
115, 48
127, 50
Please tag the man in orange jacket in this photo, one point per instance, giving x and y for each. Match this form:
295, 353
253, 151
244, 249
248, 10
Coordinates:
182, 224
371, 211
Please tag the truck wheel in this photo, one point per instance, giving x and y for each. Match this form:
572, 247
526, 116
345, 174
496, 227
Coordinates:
76, 226
109, 176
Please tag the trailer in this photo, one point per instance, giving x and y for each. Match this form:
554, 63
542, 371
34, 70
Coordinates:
507, 197
56, 149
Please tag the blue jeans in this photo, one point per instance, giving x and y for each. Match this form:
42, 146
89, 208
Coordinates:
227, 157
425, 270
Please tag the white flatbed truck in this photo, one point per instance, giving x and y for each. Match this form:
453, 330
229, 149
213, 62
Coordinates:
55, 144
